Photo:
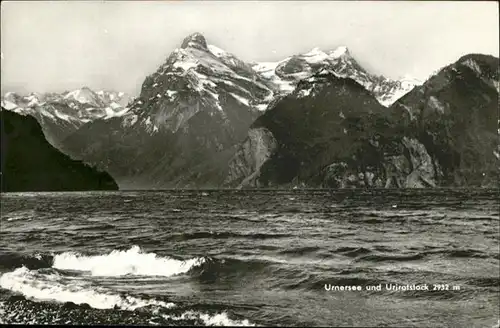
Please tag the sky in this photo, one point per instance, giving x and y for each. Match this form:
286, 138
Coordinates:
61, 45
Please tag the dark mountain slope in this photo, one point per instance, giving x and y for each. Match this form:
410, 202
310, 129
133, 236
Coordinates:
455, 114
330, 132
30, 163
183, 128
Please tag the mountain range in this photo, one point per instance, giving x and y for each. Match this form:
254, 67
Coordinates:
443, 133
206, 119
61, 114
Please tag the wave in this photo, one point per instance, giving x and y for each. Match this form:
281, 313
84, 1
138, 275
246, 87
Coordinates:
121, 263
396, 214
15, 260
226, 235
352, 251
459, 253
383, 257
301, 250
220, 319
433, 214
50, 287
19, 310
133, 263
20, 215
487, 282
47, 285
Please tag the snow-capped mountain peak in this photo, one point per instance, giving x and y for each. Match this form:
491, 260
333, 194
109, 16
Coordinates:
285, 74
61, 114
203, 77
84, 96
195, 40
315, 56
33, 100
198, 77
78, 106
9, 94
339, 52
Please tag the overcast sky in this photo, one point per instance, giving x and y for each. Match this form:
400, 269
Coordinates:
57, 46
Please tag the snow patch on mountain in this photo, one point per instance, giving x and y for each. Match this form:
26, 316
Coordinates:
472, 64
267, 69
242, 100
62, 115
218, 52
202, 80
304, 93
185, 65
44, 112
76, 107
315, 56
171, 93
33, 101
496, 84
8, 105
114, 105
340, 51
261, 107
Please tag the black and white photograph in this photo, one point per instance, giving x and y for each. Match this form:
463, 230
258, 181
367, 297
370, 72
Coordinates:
250, 163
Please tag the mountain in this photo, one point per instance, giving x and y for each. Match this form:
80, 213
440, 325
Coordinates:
455, 114
327, 133
196, 108
183, 127
61, 114
284, 75
30, 163
330, 132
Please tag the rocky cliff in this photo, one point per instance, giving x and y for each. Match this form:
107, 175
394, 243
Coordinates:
455, 116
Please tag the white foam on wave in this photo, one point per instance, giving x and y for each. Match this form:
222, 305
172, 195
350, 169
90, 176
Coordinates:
220, 319
20, 215
49, 287
38, 286
16, 218
121, 263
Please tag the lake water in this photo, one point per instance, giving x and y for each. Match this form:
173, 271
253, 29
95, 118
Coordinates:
251, 258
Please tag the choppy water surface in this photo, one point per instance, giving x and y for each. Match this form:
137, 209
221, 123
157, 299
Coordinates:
250, 258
